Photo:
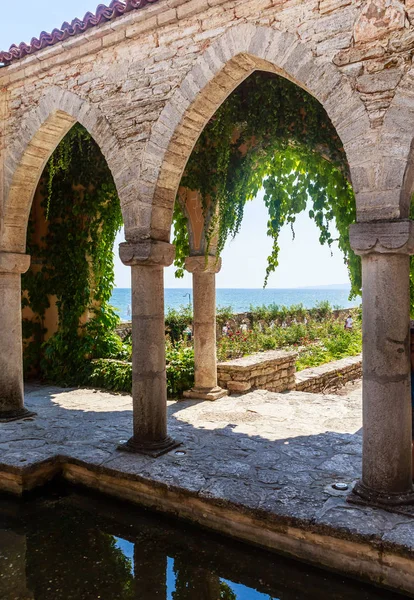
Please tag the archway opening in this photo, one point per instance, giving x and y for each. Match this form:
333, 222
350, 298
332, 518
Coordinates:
268, 134
273, 137
74, 219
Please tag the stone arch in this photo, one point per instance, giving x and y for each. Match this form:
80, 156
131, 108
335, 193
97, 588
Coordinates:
39, 133
397, 143
222, 67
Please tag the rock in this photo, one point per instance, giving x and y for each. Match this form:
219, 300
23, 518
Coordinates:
378, 18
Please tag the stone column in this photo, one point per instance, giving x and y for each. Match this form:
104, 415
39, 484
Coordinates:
193, 582
11, 348
204, 327
385, 249
149, 382
13, 580
150, 571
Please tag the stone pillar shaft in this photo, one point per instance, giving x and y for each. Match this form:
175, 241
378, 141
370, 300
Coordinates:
11, 358
149, 383
148, 353
205, 354
204, 306
386, 469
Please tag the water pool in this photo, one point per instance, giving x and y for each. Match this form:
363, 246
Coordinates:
68, 545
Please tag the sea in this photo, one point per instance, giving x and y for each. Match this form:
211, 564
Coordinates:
240, 300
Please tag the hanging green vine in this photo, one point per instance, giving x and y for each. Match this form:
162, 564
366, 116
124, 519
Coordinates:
75, 259
270, 133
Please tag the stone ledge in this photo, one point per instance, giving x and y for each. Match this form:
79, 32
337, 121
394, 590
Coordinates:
363, 557
260, 358
237, 475
273, 370
317, 379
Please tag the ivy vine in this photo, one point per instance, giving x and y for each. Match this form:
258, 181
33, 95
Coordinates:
270, 133
75, 261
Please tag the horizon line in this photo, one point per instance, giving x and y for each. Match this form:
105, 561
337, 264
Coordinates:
310, 287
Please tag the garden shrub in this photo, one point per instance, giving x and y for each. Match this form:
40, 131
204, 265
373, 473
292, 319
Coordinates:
176, 320
180, 368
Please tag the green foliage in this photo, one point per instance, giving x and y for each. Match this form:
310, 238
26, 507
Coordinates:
223, 314
286, 314
180, 368
176, 320
319, 338
271, 133
76, 257
115, 375
335, 344
181, 241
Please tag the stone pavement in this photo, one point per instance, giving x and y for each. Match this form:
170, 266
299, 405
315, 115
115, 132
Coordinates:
275, 455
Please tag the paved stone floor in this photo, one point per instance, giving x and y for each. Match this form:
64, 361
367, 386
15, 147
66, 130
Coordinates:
274, 452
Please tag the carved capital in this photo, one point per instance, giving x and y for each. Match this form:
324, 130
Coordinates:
14, 263
149, 253
382, 237
203, 264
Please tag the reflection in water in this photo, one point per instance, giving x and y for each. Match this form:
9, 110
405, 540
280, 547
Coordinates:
78, 547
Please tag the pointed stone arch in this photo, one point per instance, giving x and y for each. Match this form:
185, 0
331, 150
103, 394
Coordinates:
223, 66
39, 133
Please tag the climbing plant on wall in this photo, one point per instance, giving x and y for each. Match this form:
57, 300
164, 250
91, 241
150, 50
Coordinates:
75, 258
270, 133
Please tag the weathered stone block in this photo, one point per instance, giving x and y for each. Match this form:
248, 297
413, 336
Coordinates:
239, 386
378, 18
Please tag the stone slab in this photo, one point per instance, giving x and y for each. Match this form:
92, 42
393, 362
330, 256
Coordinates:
258, 467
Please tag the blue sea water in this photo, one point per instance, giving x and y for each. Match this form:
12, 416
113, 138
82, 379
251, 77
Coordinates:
241, 299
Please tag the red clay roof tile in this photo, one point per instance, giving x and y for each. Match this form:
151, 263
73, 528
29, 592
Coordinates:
102, 14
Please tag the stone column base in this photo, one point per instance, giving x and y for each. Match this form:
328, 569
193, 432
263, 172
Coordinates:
206, 393
16, 415
363, 495
153, 449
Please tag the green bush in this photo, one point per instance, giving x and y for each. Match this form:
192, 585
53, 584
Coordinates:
115, 375
223, 314
318, 340
176, 320
180, 368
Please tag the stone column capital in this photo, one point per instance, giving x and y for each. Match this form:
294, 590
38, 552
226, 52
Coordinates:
203, 264
11, 262
382, 237
148, 253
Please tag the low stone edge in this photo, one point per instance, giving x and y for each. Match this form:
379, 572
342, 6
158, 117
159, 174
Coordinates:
386, 564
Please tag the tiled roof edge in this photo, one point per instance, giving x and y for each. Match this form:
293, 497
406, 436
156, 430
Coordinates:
102, 14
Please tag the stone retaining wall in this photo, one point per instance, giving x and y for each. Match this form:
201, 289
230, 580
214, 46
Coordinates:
330, 375
273, 371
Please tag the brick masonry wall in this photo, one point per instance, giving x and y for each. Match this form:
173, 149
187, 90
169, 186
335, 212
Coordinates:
273, 370
329, 376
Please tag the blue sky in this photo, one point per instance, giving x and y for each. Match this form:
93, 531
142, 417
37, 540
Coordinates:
303, 262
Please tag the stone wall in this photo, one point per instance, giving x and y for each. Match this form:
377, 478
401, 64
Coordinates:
331, 375
273, 371
145, 84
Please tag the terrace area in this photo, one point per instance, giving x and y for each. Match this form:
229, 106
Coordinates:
258, 467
